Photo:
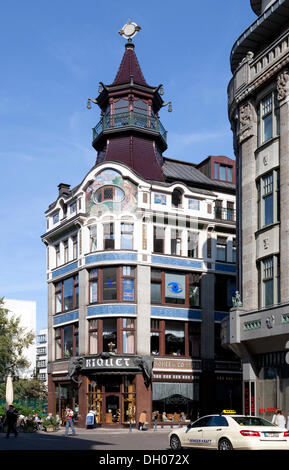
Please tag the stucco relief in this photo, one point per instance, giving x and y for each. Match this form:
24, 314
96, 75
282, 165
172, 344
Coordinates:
283, 85
246, 121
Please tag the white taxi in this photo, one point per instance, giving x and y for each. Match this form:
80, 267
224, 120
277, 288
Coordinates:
228, 431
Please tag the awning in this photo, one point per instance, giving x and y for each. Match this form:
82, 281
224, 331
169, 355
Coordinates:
166, 390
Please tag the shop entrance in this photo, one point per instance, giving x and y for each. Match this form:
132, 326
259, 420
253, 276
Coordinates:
113, 399
113, 409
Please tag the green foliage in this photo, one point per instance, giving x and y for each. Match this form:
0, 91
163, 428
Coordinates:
52, 421
25, 389
21, 409
14, 339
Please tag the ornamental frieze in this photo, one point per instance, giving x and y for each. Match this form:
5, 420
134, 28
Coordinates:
246, 121
283, 85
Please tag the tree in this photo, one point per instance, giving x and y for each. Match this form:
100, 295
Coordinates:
23, 389
14, 339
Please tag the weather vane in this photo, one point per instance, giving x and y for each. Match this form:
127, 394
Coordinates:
129, 30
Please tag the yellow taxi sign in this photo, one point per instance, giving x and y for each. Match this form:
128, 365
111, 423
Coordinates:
229, 412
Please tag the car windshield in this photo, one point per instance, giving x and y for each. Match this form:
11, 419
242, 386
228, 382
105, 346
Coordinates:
251, 421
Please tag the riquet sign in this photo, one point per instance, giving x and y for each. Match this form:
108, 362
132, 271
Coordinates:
109, 363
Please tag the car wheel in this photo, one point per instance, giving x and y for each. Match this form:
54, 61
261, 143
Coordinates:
225, 444
175, 442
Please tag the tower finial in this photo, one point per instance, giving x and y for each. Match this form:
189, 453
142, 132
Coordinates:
129, 30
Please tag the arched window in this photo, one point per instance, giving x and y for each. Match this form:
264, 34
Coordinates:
177, 197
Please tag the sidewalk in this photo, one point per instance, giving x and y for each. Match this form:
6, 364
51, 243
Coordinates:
101, 430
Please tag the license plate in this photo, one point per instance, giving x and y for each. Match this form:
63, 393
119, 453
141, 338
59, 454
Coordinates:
271, 434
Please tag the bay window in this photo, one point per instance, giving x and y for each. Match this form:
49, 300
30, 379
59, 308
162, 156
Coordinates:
177, 288
93, 337
66, 294
175, 338
112, 335
66, 341
111, 284
128, 335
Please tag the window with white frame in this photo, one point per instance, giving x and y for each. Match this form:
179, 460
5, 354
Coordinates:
176, 242
269, 281
93, 238
55, 217
72, 208
127, 236
268, 199
75, 247
268, 118
66, 251
57, 255
221, 249
193, 242
108, 236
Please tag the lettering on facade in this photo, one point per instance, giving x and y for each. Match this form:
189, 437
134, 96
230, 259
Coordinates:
111, 362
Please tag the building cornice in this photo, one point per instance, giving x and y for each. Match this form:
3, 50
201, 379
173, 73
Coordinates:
261, 31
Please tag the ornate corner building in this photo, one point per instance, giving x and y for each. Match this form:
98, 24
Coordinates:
141, 270
259, 115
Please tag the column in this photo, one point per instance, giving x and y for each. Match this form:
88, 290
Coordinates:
248, 194
143, 310
82, 321
282, 87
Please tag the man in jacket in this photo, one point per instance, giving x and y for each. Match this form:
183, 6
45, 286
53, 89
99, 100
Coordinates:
11, 420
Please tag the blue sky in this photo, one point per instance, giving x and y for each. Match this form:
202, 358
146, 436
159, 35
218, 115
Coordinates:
53, 55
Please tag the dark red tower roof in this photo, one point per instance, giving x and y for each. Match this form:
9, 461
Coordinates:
129, 67
129, 131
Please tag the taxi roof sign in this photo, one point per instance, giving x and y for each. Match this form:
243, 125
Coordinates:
229, 412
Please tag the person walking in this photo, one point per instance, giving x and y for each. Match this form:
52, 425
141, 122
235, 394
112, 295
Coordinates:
69, 416
11, 421
142, 420
155, 419
279, 419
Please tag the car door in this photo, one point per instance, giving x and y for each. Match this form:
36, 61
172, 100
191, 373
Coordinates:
193, 436
213, 430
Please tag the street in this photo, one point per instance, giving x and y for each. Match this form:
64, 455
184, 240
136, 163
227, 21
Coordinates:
91, 439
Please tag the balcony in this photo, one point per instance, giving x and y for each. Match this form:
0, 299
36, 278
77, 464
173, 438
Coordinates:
129, 120
225, 214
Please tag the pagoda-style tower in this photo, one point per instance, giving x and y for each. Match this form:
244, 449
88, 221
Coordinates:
129, 130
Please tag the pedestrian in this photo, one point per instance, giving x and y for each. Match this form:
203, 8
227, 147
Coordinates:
69, 417
279, 419
142, 420
11, 421
155, 419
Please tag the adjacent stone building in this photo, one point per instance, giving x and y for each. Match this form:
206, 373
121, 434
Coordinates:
259, 114
141, 271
